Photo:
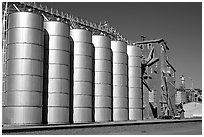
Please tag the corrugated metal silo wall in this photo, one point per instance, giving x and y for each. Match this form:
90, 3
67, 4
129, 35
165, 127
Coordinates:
24, 73
103, 78
134, 82
82, 52
57, 73
120, 81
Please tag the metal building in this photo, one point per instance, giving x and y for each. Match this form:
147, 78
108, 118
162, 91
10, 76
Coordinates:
158, 85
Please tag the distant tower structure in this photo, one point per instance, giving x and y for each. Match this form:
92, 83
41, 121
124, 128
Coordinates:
181, 96
182, 86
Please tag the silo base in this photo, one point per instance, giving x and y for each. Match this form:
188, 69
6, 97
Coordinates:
102, 114
23, 115
82, 115
135, 114
58, 115
120, 114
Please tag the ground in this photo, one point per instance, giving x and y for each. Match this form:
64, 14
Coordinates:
183, 128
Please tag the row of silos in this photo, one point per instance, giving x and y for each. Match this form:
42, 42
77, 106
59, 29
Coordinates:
58, 76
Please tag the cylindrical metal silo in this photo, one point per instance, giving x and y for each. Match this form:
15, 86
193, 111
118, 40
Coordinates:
134, 82
103, 78
120, 81
57, 56
82, 54
24, 73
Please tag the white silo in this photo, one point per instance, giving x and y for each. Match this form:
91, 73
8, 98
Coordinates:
24, 72
57, 58
134, 82
82, 54
120, 81
103, 78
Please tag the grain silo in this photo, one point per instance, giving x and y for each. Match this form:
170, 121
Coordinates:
134, 82
56, 97
82, 51
103, 78
24, 76
120, 81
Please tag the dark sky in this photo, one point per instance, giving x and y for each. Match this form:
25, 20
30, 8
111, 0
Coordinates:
180, 24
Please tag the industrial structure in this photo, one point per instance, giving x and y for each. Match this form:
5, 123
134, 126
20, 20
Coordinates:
59, 69
158, 77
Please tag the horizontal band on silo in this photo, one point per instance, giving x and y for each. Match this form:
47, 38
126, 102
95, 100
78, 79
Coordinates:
120, 58
82, 75
24, 66
120, 80
85, 62
59, 85
31, 36
57, 43
120, 69
57, 115
120, 102
59, 71
81, 35
103, 89
120, 114
134, 61
83, 88
33, 83
83, 49
118, 46
103, 65
56, 28
23, 115
101, 41
82, 101
103, 53
82, 115
59, 57
134, 82
133, 50
120, 91
58, 99
35, 21
134, 72
135, 114
135, 103
23, 98
15, 27
135, 92
31, 75
103, 78
33, 51
101, 101
102, 114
